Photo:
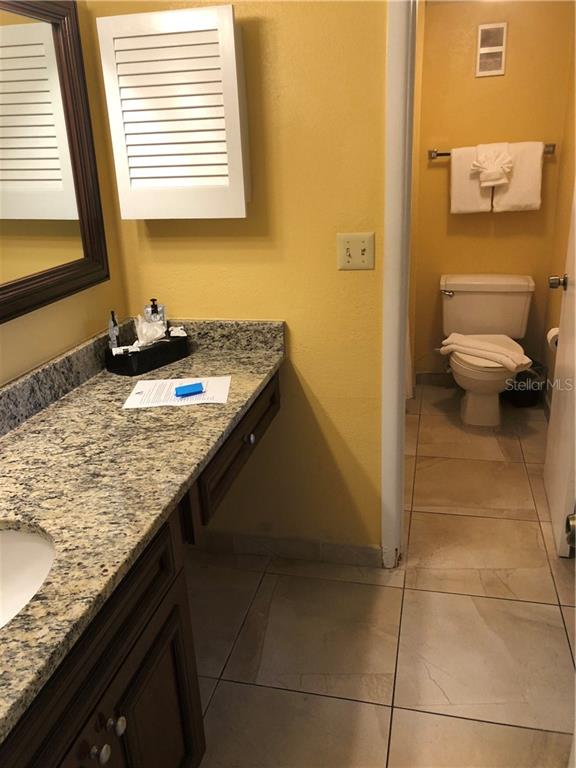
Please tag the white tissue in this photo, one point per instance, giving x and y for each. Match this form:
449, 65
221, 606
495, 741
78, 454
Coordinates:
177, 330
147, 332
552, 338
124, 350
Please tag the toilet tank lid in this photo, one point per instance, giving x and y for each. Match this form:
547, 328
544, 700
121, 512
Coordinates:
487, 283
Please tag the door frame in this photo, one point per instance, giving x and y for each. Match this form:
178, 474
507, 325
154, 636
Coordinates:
559, 486
399, 105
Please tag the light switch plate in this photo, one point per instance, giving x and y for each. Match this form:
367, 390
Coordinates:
355, 250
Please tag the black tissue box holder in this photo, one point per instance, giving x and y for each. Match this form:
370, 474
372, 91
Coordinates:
148, 359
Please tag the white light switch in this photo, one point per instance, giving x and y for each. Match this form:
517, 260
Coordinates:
355, 250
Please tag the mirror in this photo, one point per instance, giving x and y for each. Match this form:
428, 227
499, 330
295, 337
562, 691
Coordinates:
51, 229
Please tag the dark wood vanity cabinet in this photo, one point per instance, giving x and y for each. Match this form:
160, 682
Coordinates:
218, 476
149, 715
126, 695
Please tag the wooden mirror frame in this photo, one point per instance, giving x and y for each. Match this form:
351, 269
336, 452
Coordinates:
29, 293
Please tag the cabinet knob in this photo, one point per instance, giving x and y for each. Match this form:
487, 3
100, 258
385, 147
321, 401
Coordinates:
117, 725
102, 754
250, 439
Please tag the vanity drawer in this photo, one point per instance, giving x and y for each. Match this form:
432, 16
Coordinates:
218, 476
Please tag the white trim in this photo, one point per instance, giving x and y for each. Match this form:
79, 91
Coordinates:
178, 154
400, 44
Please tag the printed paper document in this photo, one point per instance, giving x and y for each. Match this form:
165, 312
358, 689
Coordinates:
152, 393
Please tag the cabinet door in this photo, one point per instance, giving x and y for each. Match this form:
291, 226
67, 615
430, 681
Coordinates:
95, 746
150, 716
157, 692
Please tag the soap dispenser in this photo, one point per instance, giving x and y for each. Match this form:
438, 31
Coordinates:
154, 312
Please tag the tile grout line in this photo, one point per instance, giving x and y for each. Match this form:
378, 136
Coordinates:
524, 457
216, 681
478, 517
548, 560
390, 724
381, 586
471, 458
339, 581
548, 557
532, 478
487, 722
413, 483
572, 650
316, 694
534, 520
483, 597
220, 678
550, 569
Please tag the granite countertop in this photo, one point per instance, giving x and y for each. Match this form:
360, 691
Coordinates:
100, 481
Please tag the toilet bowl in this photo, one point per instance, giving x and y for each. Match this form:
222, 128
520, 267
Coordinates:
494, 308
482, 380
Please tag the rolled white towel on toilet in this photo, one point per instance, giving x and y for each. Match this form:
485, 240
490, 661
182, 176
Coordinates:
479, 347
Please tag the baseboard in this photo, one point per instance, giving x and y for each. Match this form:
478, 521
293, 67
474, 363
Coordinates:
298, 549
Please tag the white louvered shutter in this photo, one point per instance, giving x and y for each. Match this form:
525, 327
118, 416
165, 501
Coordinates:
36, 179
174, 89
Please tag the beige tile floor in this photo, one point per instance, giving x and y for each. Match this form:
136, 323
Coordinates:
479, 556
333, 638
460, 658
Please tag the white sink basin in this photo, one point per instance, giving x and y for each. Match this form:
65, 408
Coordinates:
25, 561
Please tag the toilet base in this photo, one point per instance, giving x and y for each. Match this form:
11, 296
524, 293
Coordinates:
480, 410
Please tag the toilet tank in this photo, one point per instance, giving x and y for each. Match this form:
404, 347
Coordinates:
486, 304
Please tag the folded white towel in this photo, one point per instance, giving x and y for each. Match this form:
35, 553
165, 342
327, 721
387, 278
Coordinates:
474, 345
493, 164
523, 193
466, 195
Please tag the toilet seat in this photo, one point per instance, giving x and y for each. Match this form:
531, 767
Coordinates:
480, 363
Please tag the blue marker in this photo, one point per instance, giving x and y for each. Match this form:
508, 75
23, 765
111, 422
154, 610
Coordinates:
189, 389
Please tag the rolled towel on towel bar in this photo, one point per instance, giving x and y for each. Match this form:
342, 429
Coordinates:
478, 347
493, 164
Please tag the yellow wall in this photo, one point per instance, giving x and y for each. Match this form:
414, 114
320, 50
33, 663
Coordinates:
8, 18
37, 337
458, 109
27, 247
315, 80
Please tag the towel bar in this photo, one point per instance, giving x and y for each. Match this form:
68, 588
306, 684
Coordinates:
549, 149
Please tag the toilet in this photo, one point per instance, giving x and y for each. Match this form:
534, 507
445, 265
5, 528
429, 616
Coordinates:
496, 308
